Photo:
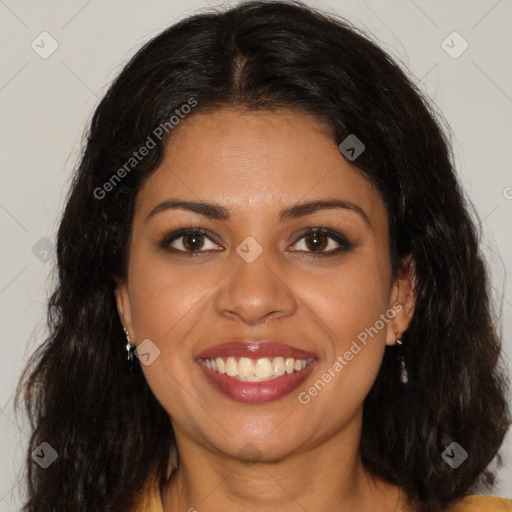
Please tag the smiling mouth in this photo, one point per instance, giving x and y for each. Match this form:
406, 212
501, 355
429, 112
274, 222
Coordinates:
255, 370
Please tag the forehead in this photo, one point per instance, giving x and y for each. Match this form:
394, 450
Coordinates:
266, 159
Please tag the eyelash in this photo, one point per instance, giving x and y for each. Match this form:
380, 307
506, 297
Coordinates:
344, 244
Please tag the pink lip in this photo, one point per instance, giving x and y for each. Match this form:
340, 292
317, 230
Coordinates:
254, 350
256, 392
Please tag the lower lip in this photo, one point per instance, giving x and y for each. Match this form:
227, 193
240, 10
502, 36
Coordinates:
257, 392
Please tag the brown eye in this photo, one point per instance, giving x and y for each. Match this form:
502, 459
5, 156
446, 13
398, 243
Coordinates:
316, 241
191, 240
322, 242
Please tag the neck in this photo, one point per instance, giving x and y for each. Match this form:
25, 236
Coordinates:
313, 479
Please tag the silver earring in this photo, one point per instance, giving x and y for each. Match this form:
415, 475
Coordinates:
404, 376
130, 347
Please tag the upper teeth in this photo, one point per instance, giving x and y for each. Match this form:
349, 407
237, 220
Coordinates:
255, 369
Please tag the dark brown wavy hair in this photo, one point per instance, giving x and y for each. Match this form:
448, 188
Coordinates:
107, 427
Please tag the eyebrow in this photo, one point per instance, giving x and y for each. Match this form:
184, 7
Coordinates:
218, 212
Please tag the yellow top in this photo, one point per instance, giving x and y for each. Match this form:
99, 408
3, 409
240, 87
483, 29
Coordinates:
152, 502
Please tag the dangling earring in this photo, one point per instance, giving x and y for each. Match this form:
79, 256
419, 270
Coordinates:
404, 376
130, 347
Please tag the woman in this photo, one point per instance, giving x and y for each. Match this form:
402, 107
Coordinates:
267, 210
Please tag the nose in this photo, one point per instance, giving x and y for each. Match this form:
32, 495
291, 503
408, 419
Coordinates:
256, 291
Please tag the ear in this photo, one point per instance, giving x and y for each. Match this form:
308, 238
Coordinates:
402, 300
124, 307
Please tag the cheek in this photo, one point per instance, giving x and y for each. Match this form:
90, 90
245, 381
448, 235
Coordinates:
351, 309
163, 296
166, 305
349, 300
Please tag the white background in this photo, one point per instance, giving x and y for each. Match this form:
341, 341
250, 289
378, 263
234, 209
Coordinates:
45, 105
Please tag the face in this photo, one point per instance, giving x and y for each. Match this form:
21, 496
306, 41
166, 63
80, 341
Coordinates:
296, 303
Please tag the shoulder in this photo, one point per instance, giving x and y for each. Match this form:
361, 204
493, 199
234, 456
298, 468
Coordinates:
473, 503
477, 503
149, 500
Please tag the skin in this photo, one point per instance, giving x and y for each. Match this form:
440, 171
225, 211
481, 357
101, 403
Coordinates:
255, 164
